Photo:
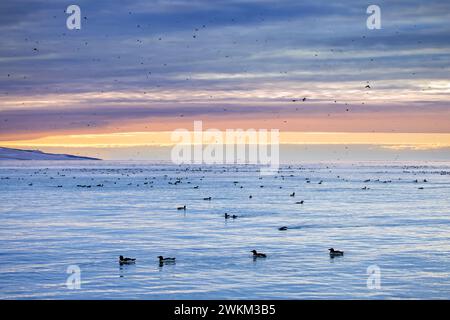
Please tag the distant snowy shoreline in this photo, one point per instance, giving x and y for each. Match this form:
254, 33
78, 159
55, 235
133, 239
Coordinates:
18, 154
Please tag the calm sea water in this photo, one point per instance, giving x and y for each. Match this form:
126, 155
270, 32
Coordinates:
393, 224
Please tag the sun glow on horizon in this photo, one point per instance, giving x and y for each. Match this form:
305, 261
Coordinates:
397, 141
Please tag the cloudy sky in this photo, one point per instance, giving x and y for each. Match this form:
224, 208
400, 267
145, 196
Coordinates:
138, 69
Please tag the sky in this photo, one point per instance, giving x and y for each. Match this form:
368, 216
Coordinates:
136, 70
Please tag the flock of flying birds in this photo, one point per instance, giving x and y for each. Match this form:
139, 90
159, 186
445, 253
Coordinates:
36, 48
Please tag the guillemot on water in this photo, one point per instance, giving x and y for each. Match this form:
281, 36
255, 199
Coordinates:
335, 253
258, 254
123, 260
162, 259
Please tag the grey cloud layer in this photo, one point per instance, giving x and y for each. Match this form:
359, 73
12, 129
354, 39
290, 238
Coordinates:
220, 45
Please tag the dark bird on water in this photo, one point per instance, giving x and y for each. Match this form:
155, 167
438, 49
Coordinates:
283, 228
208, 198
162, 259
299, 202
182, 208
123, 260
258, 254
335, 253
292, 194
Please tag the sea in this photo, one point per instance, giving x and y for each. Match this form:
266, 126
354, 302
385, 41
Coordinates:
64, 224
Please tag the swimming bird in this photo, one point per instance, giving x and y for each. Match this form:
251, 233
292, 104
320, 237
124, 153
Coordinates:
283, 228
162, 259
299, 202
182, 208
209, 198
335, 253
123, 260
228, 216
258, 254
292, 194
